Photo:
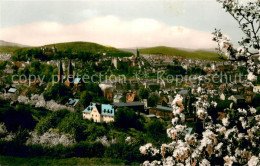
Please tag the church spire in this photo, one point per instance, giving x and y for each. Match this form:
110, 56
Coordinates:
70, 77
70, 68
60, 72
137, 53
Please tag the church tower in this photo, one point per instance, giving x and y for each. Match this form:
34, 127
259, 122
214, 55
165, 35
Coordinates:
60, 72
137, 53
70, 76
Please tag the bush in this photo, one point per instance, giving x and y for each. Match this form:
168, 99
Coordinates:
21, 115
51, 121
74, 125
124, 151
126, 118
153, 100
156, 132
58, 92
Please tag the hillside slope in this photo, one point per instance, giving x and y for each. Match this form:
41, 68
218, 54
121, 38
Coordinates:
75, 47
162, 50
10, 44
72, 47
9, 47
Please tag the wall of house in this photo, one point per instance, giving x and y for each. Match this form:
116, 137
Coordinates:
86, 115
108, 119
116, 100
95, 115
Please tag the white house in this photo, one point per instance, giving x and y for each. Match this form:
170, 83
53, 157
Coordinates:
99, 113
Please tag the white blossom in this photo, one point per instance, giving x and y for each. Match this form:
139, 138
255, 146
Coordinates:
251, 76
168, 161
225, 121
2, 128
242, 111
252, 110
148, 149
243, 122
254, 161
205, 162
229, 160
50, 139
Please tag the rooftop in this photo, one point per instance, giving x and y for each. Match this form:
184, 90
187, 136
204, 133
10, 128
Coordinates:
77, 80
103, 109
163, 108
184, 92
12, 90
129, 104
73, 102
117, 96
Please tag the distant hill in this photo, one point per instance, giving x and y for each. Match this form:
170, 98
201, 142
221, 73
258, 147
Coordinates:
90, 47
10, 44
74, 47
9, 47
199, 54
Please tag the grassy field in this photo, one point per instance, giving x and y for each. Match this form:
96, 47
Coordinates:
203, 55
19, 161
8, 49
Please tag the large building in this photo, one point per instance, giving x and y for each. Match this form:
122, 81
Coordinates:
136, 106
99, 112
162, 112
69, 79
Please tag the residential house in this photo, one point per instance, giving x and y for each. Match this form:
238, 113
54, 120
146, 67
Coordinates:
19, 64
106, 84
99, 113
151, 116
130, 96
117, 98
12, 90
163, 101
136, 105
162, 111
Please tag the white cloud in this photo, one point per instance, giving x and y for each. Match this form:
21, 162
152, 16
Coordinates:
109, 30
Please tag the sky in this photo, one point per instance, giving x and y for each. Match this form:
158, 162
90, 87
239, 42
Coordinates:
118, 23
